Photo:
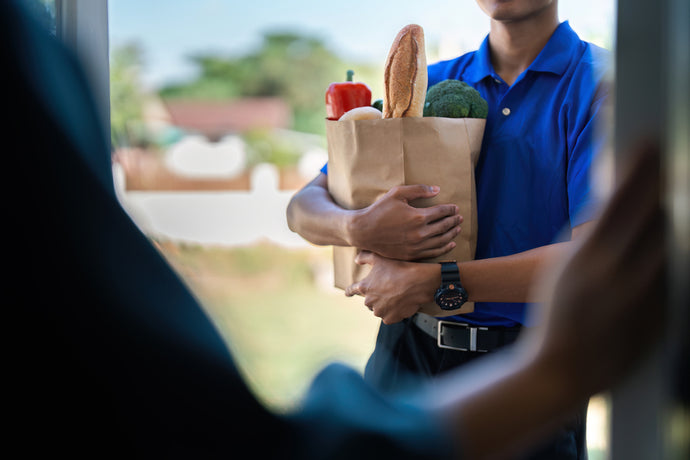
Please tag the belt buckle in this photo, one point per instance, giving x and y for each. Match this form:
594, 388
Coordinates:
473, 336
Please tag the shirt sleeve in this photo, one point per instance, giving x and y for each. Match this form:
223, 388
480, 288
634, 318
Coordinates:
587, 146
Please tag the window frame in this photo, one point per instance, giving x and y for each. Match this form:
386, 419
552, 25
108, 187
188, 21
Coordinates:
639, 421
83, 26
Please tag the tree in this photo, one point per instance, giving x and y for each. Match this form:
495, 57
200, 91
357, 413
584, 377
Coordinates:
289, 65
126, 96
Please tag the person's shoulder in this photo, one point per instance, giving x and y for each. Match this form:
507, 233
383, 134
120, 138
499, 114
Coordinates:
450, 68
596, 56
596, 61
583, 56
591, 74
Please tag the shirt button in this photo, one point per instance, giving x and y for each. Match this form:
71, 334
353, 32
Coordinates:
505, 111
497, 80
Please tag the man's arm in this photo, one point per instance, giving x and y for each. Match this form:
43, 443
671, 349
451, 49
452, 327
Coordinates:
395, 289
314, 215
390, 226
511, 278
613, 274
509, 401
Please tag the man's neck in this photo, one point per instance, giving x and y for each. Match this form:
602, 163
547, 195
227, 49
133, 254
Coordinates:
515, 44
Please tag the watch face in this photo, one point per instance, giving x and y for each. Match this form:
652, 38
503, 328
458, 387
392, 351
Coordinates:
451, 297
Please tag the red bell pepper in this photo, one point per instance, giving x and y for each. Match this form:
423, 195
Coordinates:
344, 96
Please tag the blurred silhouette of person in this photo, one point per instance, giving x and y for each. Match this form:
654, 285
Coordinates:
113, 356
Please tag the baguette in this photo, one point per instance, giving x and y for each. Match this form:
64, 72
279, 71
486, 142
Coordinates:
405, 75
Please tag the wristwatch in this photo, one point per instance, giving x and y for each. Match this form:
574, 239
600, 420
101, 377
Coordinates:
451, 295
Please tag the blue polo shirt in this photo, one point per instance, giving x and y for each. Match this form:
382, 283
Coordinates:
541, 136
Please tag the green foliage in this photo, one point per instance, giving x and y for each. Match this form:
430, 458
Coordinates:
287, 65
281, 325
454, 99
217, 80
265, 146
127, 96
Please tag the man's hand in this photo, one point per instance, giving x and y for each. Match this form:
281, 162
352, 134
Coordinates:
394, 229
395, 289
390, 226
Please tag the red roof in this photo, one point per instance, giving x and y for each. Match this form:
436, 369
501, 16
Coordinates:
218, 118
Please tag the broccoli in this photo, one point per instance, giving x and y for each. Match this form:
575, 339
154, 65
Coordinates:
454, 99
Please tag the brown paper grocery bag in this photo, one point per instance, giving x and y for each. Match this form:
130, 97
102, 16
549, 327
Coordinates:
368, 157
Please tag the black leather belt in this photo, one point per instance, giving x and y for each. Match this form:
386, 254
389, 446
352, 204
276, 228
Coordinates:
465, 337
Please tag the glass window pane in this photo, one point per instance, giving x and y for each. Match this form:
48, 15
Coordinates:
208, 179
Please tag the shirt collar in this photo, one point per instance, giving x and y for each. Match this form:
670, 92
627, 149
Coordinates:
482, 68
554, 57
558, 52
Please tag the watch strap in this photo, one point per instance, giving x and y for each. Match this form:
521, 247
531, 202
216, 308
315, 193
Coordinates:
449, 273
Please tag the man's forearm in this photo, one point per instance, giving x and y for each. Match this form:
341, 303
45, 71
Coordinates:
513, 278
510, 278
396, 289
314, 215
390, 226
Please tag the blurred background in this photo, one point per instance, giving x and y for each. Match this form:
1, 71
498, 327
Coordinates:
217, 118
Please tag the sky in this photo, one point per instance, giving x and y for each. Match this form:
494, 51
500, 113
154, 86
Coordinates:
362, 30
